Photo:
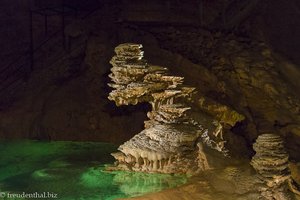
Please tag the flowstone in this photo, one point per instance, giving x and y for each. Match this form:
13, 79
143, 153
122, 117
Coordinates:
175, 134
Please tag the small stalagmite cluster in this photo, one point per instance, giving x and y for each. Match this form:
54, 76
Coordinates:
172, 140
271, 164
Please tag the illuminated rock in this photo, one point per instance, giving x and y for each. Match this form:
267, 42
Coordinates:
173, 139
271, 163
271, 159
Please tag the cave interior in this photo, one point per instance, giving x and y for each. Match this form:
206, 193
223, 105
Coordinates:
150, 99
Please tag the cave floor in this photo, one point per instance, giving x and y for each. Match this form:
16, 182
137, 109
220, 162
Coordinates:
71, 170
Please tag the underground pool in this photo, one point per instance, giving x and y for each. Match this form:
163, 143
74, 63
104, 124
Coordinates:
71, 170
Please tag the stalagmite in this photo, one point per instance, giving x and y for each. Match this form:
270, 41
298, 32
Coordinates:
271, 164
170, 131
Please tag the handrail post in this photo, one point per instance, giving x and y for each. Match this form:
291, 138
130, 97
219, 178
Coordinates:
31, 44
46, 24
63, 25
201, 12
223, 13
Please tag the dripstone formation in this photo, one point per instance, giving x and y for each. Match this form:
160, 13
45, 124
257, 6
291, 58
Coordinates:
271, 164
173, 139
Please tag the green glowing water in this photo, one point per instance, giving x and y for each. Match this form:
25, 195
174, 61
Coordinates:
72, 170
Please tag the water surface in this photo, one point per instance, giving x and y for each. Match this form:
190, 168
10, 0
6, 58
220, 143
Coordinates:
72, 170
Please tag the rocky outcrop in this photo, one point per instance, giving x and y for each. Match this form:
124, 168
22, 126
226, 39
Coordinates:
174, 134
251, 78
271, 164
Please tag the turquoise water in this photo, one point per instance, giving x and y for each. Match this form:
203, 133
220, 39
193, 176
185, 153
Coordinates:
71, 170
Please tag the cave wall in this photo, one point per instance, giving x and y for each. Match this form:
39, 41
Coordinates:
281, 25
69, 102
14, 20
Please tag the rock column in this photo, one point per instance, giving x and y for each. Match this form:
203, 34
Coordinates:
271, 164
170, 141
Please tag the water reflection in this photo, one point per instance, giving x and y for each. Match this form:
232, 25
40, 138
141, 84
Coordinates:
133, 184
73, 170
130, 183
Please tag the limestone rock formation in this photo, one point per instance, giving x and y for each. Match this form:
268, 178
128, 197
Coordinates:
252, 78
271, 163
173, 135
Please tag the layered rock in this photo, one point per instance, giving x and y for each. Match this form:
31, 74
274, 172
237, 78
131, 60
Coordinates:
251, 78
271, 164
173, 135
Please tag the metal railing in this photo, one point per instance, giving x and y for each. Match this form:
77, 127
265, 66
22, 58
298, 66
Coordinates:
15, 74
